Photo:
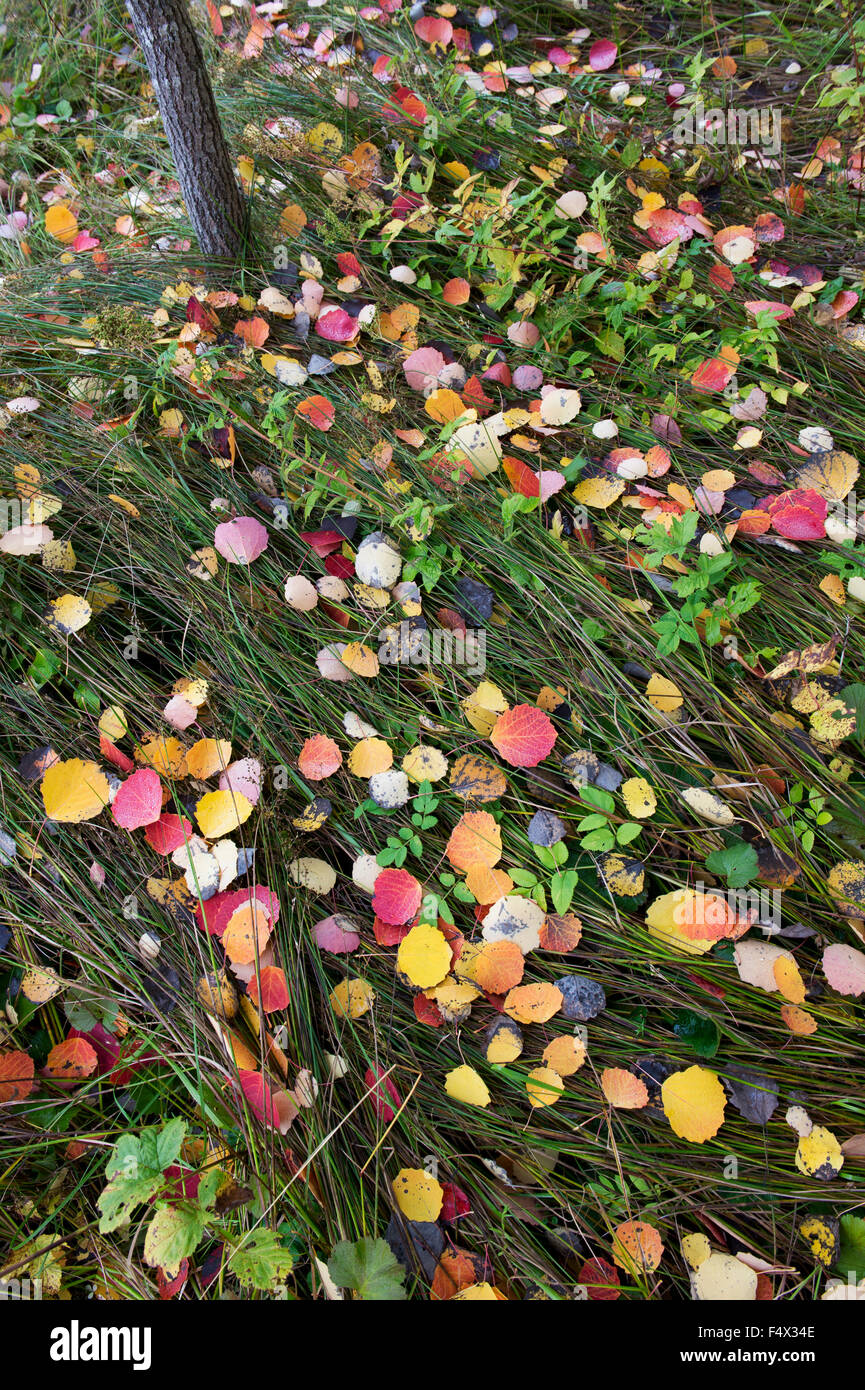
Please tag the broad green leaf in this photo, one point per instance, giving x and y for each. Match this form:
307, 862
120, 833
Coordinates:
369, 1268
261, 1261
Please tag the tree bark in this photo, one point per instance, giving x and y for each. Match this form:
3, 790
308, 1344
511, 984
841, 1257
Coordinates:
204, 168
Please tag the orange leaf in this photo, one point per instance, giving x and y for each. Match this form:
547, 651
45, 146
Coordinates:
623, 1090
16, 1076
71, 1060
319, 757
475, 839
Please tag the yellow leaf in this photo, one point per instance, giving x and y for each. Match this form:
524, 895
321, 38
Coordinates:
724, 1279
818, 1154
113, 722
360, 659
831, 585
483, 707
444, 405
369, 757
418, 1195
478, 1293
207, 757
599, 492
535, 1003
352, 998
61, 223
167, 756
565, 1054
464, 1083
663, 694
59, 557
220, 812
74, 791
822, 1239
695, 1249
68, 614
789, 980
694, 1104
624, 877
832, 474
424, 956
544, 1086
639, 798
504, 1042
324, 138
423, 763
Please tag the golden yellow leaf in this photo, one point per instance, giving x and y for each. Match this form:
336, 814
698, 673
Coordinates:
565, 1054
464, 1084
600, 492
220, 812
534, 1003
694, 1102
360, 660
424, 956
663, 694
352, 998
544, 1086
167, 756
61, 223
369, 757
74, 791
818, 1154
419, 1196
208, 756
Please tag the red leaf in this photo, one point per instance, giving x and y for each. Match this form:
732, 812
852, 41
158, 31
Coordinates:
170, 1288
215, 914
322, 542
455, 1203
318, 411
199, 313
271, 988
523, 735
115, 755
259, 1097
397, 896
168, 833
598, 1276
431, 29
769, 306
713, 375
427, 1011
336, 325
799, 514
349, 264
139, 800
381, 1086
387, 935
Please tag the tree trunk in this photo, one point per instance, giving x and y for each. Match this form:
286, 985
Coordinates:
179, 76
